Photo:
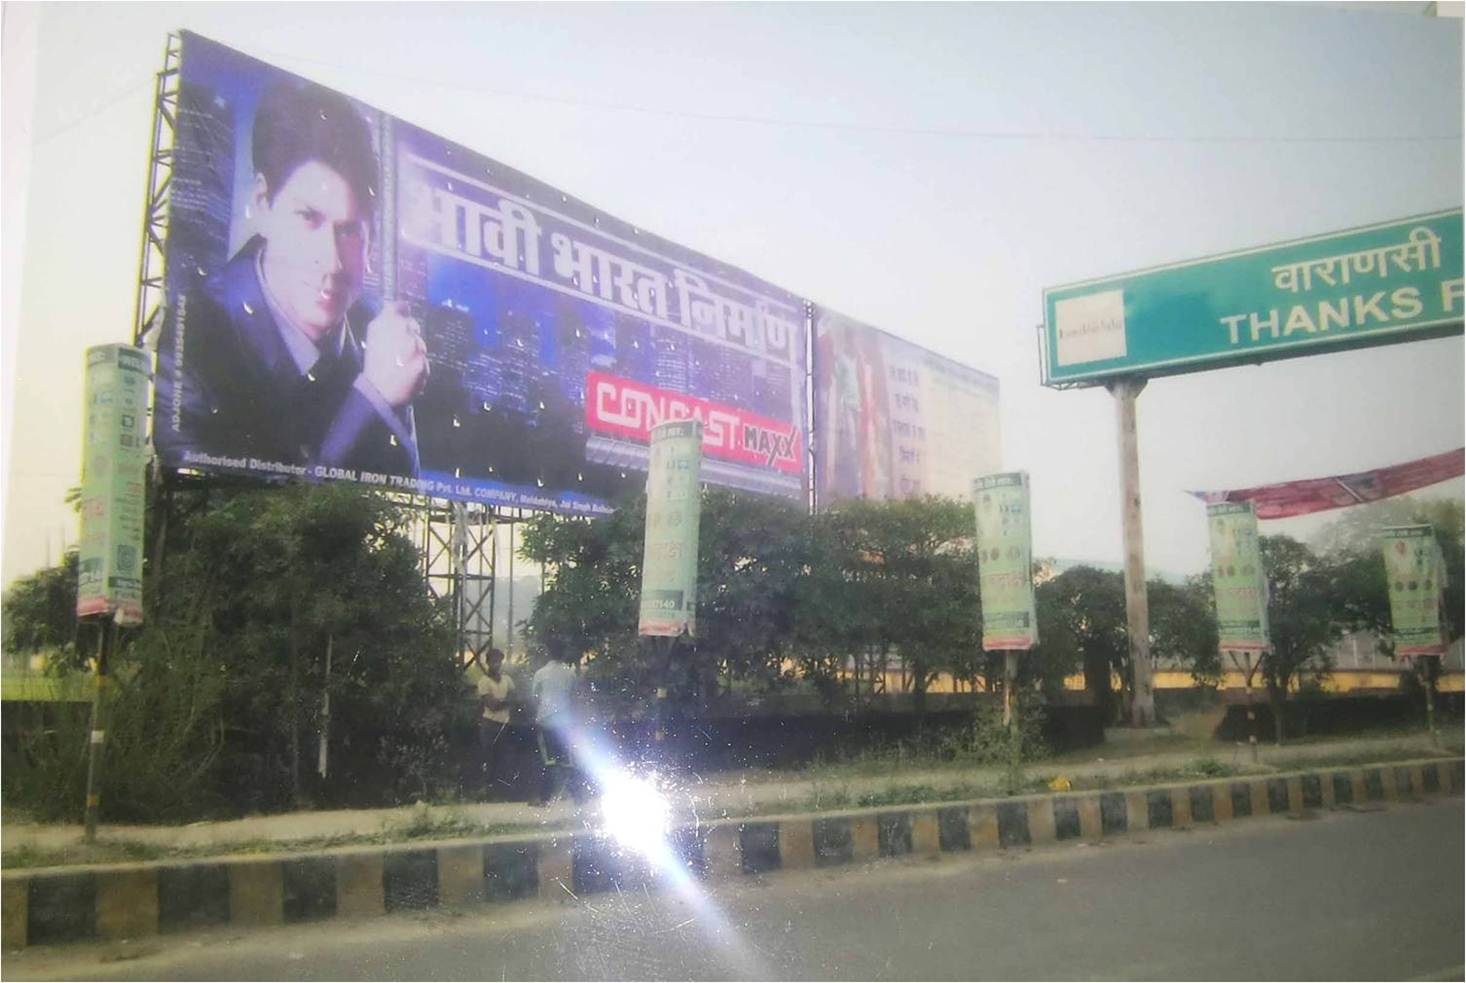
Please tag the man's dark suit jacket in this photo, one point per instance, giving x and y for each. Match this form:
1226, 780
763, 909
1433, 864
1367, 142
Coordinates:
240, 393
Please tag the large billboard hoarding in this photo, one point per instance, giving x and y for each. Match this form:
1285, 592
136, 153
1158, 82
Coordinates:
673, 517
894, 420
1399, 281
1415, 570
1239, 581
351, 297
114, 461
1005, 562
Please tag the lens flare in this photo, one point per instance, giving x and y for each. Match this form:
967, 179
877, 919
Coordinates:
635, 813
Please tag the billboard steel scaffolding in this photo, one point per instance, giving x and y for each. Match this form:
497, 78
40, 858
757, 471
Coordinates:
150, 283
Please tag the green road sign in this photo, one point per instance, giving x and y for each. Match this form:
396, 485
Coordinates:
1388, 283
1238, 579
1414, 568
673, 511
114, 459
1005, 562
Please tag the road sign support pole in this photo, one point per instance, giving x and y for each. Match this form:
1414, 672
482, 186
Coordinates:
1430, 664
97, 734
1010, 715
1251, 711
1137, 608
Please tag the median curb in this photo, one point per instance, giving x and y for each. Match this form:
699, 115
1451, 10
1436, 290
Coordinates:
130, 901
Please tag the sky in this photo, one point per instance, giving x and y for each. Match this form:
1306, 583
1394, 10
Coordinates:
927, 169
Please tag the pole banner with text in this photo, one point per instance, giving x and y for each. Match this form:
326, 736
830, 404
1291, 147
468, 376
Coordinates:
114, 462
1239, 581
673, 514
1414, 568
351, 297
1005, 561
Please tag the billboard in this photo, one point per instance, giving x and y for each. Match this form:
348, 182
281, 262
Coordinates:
351, 297
1399, 281
1239, 581
1005, 561
1415, 571
673, 515
894, 420
114, 460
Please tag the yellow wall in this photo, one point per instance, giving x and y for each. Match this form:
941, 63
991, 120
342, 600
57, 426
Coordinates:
1339, 681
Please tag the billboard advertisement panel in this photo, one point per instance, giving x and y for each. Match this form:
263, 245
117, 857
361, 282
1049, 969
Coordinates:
351, 297
894, 420
1005, 561
673, 516
114, 460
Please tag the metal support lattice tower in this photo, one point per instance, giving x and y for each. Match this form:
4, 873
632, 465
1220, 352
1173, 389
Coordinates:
457, 541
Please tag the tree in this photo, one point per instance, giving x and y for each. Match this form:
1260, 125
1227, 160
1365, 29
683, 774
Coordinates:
908, 576
751, 557
1081, 622
1351, 543
1304, 618
311, 592
776, 587
1183, 627
268, 601
40, 610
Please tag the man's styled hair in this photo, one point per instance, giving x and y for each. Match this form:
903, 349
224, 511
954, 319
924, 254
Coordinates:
299, 121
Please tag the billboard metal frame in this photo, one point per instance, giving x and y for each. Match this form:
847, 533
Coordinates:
150, 282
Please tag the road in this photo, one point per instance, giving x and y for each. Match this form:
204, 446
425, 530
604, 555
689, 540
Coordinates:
1347, 895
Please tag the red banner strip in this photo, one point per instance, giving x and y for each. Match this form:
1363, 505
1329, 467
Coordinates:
1290, 498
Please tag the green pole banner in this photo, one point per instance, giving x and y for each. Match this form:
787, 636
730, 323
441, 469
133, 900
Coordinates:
114, 460
1239, 581
673, 510
1414, 567
1005, 562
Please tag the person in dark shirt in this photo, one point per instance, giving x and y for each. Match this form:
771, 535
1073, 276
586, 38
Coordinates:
275, 357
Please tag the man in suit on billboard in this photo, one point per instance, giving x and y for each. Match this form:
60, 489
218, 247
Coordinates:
275, 357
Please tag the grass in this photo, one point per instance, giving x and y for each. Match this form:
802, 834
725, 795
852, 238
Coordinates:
834, 794
424, 826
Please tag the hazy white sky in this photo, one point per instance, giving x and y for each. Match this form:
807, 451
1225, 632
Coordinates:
927, 169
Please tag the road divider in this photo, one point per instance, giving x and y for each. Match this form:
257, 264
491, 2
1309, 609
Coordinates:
129, 901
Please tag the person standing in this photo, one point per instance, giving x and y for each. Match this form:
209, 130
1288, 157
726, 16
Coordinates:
554, 690
495, 693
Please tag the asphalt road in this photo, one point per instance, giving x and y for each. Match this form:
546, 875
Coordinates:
1348, 895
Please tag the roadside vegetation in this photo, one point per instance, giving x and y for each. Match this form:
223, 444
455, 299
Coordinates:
293, 657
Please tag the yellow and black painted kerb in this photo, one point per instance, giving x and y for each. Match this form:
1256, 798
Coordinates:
128, 901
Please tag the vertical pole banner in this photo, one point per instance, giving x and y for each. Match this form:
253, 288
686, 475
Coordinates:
1413, 567
673, 510
114, 459
1239, 582
1005, 561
